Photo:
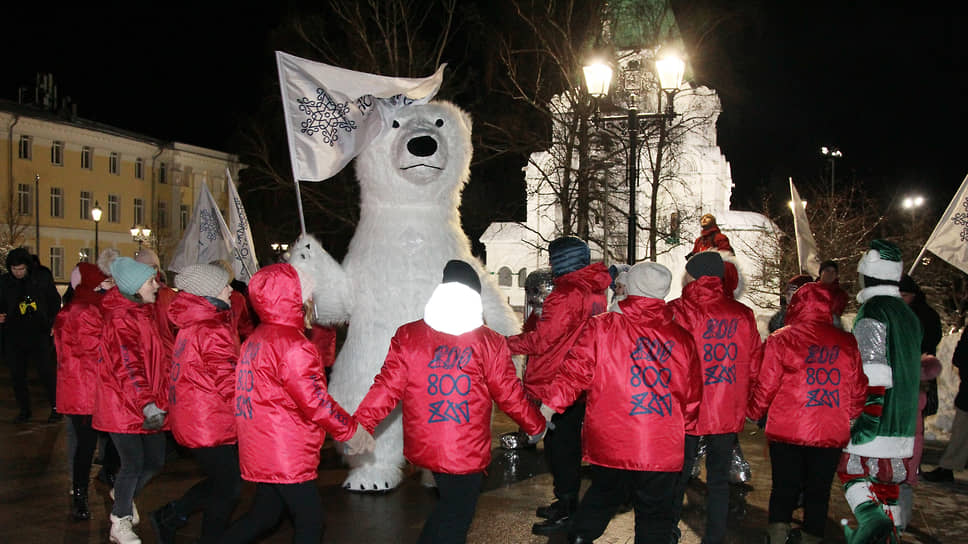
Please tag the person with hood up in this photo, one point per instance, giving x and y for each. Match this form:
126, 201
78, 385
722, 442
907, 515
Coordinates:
77, 338
447, 402
201, 400
132, 396
641, 374
283, 411
578, 294
725, 334
811, 385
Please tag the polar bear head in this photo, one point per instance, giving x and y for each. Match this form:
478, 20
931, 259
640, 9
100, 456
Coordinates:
422, 157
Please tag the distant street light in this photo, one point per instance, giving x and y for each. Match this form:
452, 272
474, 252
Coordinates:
140, 234
832, 154
279, 249
96, 212
790, 204
911, 202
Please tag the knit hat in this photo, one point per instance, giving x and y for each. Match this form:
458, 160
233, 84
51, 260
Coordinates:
648, 279
882, 261
567, 254
105, 259
129, 275
204, 280
461, 272
908, 285
706, 263
148, 257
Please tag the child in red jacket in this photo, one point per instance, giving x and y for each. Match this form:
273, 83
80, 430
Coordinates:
446, 369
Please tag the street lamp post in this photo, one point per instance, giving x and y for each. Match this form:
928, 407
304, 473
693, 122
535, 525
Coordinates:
278, 249
832, 154
597, 80
96, 216
140, 234
37, 212
912, 203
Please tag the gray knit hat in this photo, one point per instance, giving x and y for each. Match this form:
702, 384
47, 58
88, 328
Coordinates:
648, 279
204, 280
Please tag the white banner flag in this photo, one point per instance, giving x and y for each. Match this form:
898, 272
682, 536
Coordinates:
806, 245
950, 237
243, 259
207, 238
332, 113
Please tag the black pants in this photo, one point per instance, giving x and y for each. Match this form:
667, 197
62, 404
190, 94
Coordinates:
653, 496
20, 356
454, 512
304, 505
84, 452
142, 456
805, 468
563, 451
719, 449
217, 493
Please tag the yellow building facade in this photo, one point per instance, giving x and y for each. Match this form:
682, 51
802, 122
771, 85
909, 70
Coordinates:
56, 168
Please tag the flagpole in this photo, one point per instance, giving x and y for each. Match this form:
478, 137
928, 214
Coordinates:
948, 212
796, 231
302, 219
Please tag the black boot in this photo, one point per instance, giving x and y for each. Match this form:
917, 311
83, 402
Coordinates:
166, 521
552, 511
79, 506
22, 417
561, 521
939, 475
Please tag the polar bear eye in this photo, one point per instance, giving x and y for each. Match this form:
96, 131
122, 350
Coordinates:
396, 124
439, 123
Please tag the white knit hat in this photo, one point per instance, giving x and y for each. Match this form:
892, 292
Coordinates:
648, 279
204, 280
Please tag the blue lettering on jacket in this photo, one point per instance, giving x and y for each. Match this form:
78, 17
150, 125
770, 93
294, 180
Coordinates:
647, 349
720, 374
446, 410
651, 402
823, 397
448, 357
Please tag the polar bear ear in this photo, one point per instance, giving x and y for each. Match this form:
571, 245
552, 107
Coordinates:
466, 118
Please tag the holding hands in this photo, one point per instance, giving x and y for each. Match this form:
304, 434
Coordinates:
362, 442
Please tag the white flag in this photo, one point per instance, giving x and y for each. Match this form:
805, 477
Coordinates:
244, 264
332, 113
207, 237
950, 237
806, 245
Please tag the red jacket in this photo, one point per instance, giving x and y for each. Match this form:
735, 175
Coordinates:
729, 348
446, 384
162, 301
201, 398
575, 297
711, 238
811, 383
77, 337
641, 374
133, 370
838, 297
241, 319
324, 338
282, 408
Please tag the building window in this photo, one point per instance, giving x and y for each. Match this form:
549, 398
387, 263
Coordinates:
24, 205
162, 214
139, 211
114, 163
504, 277
85, 255
56, 202
86, 154
522, 276
114, 209
139, 168
183, 216
162, 173
57, 262
86, 197
25, 149
57, 153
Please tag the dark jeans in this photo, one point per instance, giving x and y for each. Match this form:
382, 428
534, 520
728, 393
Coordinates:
719, 450
22, 355
653, 497
217, 493
805, 468
84, 452
304, 505
142, 456
454, 512
563, 451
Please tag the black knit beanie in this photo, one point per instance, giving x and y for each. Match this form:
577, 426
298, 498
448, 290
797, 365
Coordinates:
706, 263
568, 254
461, 272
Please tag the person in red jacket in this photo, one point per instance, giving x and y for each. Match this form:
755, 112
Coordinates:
640, 371
710, 238
132, 390
447, 369
578, 294
282, 411
77, 336
810, 386
201, 400
164, 296
729, 345
241, 314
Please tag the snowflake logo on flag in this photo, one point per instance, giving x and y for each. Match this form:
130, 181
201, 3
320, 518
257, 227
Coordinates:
208, 227
961, 219
325, 116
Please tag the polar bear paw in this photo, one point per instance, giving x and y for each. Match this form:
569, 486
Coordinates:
373, 479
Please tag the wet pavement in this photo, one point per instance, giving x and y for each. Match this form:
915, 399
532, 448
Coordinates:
34, 501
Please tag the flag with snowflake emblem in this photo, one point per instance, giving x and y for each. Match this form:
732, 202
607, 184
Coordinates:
207, 237
332, 113
244, 263
949, 240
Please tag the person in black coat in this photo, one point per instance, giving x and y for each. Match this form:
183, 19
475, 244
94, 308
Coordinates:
955, 455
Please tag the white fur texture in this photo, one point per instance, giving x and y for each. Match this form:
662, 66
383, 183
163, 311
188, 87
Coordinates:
409, 228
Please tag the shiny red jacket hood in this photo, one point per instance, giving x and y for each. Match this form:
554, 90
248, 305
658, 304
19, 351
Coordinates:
77, 338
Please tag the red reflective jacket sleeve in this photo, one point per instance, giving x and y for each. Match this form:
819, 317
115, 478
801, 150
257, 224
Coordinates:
693, 391
302, 376
555, 323
133, 359
387, 388
767, 381
508, 392
576, 372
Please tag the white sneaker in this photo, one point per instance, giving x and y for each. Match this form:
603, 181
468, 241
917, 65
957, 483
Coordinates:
121, 531
135, 518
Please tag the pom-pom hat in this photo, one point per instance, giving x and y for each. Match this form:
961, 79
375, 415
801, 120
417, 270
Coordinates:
882, 261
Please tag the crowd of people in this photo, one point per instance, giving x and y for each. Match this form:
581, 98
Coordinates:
238, 378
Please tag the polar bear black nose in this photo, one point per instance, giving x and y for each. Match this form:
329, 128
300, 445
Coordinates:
423, 146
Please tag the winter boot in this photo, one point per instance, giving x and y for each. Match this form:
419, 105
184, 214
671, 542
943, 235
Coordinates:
552, 511
777, 533
135, 518
79, 507
873, 525
166, 521
122, 532
562, 520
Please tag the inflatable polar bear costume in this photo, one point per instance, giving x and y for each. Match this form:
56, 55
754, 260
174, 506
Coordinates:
411, 177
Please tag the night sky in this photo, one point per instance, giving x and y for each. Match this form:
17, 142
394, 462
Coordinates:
885, 85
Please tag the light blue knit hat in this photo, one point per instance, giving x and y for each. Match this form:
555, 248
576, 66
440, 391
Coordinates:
130, 275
